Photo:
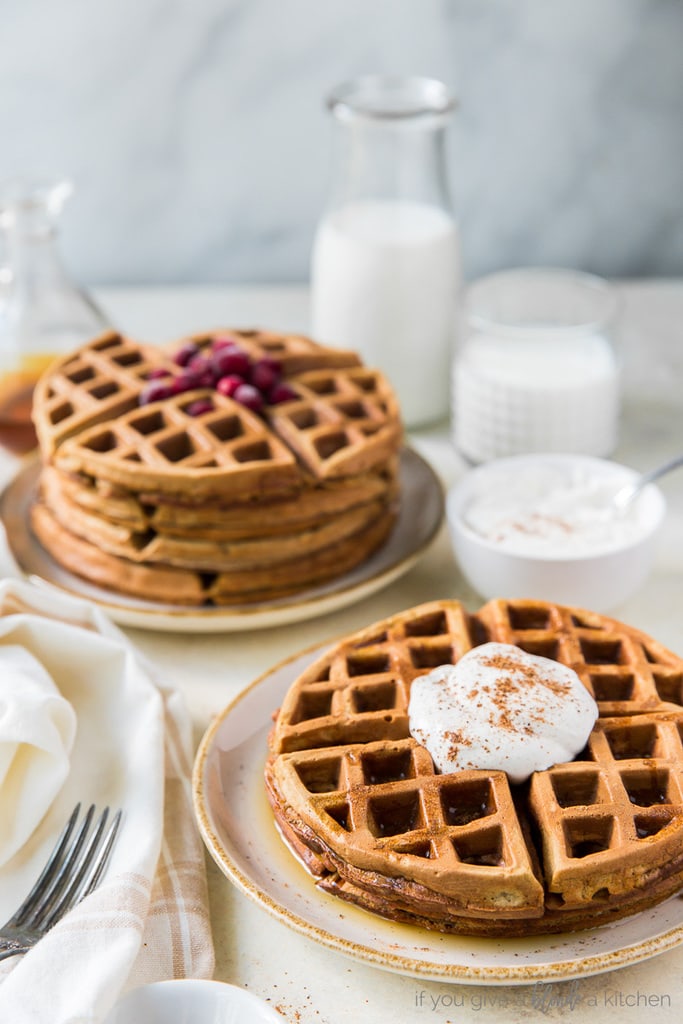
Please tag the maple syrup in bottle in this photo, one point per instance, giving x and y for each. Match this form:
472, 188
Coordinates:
17, 433
42, 312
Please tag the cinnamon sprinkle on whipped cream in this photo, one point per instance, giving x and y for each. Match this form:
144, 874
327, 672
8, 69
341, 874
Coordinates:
501, 708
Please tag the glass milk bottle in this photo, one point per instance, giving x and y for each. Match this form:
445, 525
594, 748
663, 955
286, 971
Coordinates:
42, 312
385, 272
537, 368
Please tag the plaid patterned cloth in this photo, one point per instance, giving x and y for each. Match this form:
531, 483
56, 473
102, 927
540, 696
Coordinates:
149, 919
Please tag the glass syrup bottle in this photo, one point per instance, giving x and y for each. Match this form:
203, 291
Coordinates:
42, 312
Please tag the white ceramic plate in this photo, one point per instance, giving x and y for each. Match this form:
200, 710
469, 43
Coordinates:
229, 792
420, 516
190, 1001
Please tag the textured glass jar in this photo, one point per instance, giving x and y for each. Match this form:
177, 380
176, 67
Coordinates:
537, 368
42, 312
385, 272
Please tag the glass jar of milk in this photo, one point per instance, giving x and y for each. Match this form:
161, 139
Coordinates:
385, 273
537, 368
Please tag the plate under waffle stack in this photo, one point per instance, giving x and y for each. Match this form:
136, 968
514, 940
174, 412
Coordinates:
189, 501
360, 802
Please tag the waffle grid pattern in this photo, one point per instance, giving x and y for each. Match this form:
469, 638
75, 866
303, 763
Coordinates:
607, 824
295, 353
346, 421
133, 493
628, 789
342, 418
625, 671
162, 438
360, 690
387, 800
100, 381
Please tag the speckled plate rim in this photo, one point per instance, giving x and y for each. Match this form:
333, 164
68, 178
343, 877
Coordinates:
421, 515
656, 930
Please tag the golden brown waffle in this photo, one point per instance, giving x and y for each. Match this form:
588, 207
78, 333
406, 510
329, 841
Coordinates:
295, 353
196, 481
227, 450
360, 802
346, 421
103, 379
98, 382
621, 808
174, 585
201, 552
217, 520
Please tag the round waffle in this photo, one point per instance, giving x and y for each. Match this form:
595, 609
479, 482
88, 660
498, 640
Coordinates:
360, 802
195, 498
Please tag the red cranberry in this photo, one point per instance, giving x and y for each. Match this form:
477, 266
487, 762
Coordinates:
185, 353
248, 396
157, 372
186, 382
203, 372
200, 407
282, 392
265, 374
231, 360
156, 391
198, 363
224, 341
228, 385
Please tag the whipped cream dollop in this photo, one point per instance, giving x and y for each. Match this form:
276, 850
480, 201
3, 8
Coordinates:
555, 508
501, 708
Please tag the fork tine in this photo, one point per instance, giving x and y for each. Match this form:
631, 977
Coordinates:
61, 878
102, 859
47, 874
91, 865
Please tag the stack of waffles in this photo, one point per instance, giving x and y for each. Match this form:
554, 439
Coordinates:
360, 803
195, 498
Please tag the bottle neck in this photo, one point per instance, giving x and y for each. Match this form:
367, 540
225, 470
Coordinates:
383, 160
32, 257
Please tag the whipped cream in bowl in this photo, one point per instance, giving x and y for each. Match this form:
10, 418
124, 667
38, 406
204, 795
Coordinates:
545, 526
503, 709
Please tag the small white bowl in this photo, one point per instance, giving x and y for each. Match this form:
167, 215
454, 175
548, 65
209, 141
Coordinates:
600, 575
191, 1001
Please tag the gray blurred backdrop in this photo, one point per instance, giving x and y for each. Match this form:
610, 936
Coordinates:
195, 133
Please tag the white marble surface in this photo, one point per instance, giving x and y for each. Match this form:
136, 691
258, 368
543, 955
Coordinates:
309, 983
196, 135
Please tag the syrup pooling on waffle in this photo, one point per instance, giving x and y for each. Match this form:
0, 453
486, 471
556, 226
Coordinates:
585, 842
385, 801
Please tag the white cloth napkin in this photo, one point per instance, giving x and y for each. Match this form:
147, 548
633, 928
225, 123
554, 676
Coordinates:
148, 920
37, 731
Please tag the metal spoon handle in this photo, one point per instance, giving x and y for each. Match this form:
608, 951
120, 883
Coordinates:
626, 495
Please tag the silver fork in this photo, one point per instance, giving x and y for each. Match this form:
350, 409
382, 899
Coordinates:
74, 869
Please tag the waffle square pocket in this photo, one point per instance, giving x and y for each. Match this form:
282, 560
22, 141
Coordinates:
170, 476
362, 804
